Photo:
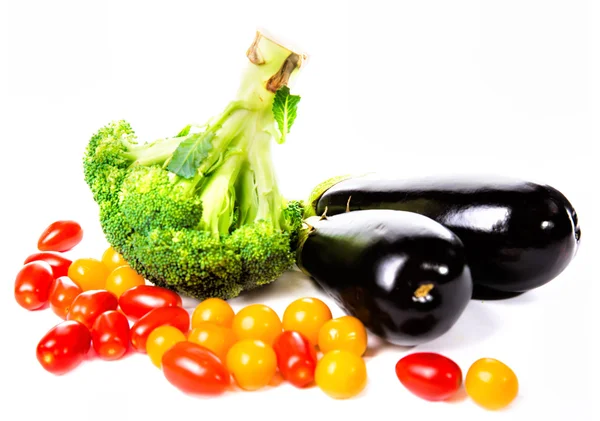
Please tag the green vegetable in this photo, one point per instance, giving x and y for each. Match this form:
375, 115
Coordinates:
201, 212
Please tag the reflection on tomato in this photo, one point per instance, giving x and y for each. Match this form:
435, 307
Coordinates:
429, 375
64, 347
177, 317
195, 370
62, 294
90, 304
110, 335
32, 285
60, 236
138, 301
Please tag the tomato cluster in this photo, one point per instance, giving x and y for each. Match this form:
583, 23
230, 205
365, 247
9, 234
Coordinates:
435, 377
107, 307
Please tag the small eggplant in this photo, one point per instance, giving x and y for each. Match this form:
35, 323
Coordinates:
518, 235
402, 274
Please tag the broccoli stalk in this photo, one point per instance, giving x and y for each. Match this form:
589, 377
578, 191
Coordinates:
201, 212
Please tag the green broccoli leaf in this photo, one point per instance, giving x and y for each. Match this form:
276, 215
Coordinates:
284, 110
185, 131
190, 153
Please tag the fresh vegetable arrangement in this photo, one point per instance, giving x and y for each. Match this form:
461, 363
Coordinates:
200, 215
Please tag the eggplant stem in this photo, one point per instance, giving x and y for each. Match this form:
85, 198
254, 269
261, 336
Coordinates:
324, 216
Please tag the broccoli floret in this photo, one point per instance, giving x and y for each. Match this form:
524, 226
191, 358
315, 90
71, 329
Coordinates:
201, 212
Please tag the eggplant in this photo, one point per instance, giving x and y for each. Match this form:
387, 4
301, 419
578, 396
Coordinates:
518, 235
402, 274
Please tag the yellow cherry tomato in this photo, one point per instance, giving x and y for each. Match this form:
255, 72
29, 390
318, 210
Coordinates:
252, 363
218, 339
123, 278
160, 341
345, 333
306, 316
88, 273
112, 259
213, 310
491, 383
341, 374
257, 321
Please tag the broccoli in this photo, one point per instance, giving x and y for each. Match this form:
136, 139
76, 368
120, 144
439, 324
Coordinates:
201, 212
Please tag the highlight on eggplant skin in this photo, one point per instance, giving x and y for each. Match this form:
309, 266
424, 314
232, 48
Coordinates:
518, 235
402, 274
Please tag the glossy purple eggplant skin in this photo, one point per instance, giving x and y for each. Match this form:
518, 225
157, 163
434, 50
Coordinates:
518, 235
402, 274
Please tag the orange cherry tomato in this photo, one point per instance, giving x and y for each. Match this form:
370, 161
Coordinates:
32, 285
122, 279
177, 317
345, 333
306, 315
110, 335
88, 305
341, 374
252, 363
213, 310
160, 341
62, 294
60, 236
257, 321
491, 383
88, 273
112, 259
218, 339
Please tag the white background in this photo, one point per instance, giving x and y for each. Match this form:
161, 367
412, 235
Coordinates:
406, 87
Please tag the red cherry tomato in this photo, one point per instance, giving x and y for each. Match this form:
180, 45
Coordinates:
60, 236
429, 376
296, 358
62, 294
59, 263
138, 301
32, 285
195, 370
64, 347
90, 304
110, 335
177, 317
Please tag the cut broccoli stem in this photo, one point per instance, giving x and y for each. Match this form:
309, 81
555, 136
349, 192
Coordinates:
247, 195
218, 195
270, 200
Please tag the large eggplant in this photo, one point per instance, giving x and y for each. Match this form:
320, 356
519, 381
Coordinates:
402, 274
518, 235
